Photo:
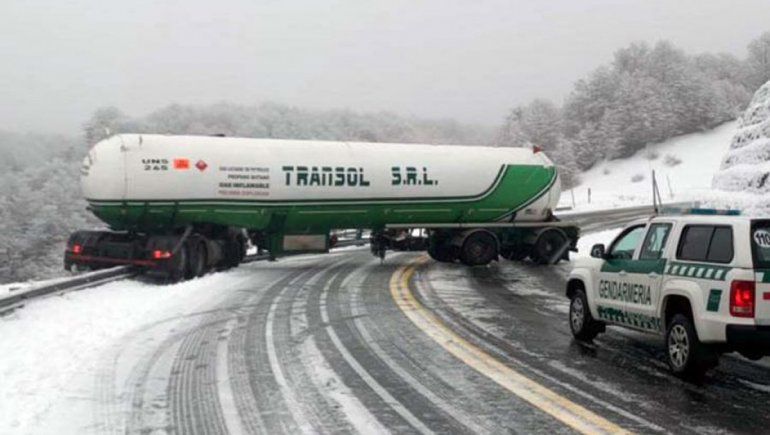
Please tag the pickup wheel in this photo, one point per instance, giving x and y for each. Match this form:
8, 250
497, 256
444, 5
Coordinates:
582, 324
687, 357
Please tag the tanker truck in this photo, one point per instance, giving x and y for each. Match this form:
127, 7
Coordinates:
181, 206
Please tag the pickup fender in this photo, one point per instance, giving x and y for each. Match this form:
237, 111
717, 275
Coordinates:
585, 275
691, 291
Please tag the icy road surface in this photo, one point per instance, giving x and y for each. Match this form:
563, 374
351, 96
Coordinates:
342, 343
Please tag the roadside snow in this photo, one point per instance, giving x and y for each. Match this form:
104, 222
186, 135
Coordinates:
611, 181
52, 348
49, 344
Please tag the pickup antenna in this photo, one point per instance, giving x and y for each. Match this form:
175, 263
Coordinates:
656, 200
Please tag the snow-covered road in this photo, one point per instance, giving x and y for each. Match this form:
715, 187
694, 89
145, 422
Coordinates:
321, 344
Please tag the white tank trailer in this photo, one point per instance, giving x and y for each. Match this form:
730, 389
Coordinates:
182, 205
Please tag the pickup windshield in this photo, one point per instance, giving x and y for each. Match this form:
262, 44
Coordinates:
760, 243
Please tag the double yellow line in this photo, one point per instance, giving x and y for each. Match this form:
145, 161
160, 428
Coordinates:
570, 413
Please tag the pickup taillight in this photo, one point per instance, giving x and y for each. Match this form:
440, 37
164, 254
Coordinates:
742, 298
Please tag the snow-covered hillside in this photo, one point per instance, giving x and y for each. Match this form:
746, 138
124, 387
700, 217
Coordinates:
742, 181
684, 167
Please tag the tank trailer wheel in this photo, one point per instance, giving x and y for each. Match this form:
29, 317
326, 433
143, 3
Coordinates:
443, 253
547, 245
440, 249
177, 265
203, 259
196, 259
478, 249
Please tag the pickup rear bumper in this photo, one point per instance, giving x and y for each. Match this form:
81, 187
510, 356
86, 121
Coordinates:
754, 338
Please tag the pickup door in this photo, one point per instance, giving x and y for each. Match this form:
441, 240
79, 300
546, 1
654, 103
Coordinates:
631, 276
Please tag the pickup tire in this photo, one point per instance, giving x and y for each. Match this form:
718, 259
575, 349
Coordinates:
687, 357
581, 323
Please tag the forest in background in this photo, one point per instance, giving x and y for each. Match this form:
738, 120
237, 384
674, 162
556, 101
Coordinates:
647, 94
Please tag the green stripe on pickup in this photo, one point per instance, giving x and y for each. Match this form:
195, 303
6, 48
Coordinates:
634, 266
765, 274
637, 320
698, 270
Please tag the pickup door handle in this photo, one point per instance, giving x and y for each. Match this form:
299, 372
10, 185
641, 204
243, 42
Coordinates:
652, 275
622, 273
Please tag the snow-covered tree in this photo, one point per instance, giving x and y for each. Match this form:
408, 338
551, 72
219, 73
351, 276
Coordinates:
758, 62
646, 95
537, 123
746, 167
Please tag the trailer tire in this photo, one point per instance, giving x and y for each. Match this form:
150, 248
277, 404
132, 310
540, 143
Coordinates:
196, 259
177, 266
444, 253
546, 245
440, 248
234, 252
479, 249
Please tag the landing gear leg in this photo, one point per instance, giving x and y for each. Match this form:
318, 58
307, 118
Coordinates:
378, 243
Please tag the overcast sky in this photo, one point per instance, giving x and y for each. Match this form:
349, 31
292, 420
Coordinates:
469, 60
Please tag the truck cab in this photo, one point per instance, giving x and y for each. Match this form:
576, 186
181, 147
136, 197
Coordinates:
697, 278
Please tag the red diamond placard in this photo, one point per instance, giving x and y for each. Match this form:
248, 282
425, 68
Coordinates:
201, 165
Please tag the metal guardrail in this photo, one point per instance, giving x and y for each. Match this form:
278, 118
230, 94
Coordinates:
597, 219
86, 280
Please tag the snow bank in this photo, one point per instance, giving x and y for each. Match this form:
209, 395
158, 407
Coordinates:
50, 344
743, 180
684, 167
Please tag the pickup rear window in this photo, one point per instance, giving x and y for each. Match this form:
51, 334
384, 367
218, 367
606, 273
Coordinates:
710, 243
760, 244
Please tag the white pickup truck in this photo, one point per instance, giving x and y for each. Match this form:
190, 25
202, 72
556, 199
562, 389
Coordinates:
702, 280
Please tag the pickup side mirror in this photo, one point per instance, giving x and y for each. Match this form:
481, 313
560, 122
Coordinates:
597, 251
